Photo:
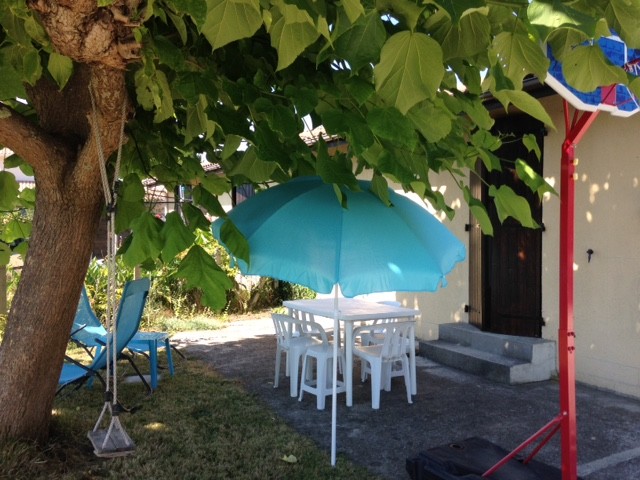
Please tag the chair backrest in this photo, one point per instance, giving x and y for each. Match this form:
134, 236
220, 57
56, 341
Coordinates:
128, 318
287, 327
396, 336
86, 328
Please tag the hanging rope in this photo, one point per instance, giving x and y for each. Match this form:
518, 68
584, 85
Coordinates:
115, 430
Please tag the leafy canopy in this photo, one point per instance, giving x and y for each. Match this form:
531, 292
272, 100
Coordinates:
237, 81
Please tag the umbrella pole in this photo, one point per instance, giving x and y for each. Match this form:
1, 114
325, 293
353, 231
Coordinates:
334, 395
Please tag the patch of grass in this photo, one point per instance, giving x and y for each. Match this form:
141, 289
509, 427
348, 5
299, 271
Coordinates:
197, 425
173, 324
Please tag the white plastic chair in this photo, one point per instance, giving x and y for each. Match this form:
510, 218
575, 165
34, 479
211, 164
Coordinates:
322, 351
381, 357
307, 319
374, 336
294, 344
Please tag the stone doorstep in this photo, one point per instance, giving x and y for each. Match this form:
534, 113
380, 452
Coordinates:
502, 358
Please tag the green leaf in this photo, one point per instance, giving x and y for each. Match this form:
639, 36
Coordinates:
479, 211
209, 202
215, 184
524, 102
304, 98
146, 242
130, 202
627, 20
254, 168
532, 179
9, 190
180, 25
380, 187
35, 30
283, 120
531, 144
335, 168
510, 204
549, 16
31, 66
176, 237
231, 145
154, 92
470, 36
5, 254
586, 68
200, 271
168, 53
21, 248
195, 218
235, 241
457, 8
519, 55
11, 85
404, 9
198, 122
390, 124
197, 9
432, 120
15, 230
231, 20
60, 67
410, 69
353, 9
350, 124
360, 45
472, 106
292, 31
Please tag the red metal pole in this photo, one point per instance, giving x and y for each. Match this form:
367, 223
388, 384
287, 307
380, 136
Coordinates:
566, 333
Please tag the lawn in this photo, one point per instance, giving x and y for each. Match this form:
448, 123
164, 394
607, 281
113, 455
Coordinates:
198, 425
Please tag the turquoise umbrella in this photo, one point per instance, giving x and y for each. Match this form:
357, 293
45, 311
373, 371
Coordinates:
299, 232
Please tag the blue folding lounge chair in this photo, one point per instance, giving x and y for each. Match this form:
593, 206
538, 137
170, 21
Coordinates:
127, 323
87, 331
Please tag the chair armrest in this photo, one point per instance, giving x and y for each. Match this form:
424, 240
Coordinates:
73, 332
77, 363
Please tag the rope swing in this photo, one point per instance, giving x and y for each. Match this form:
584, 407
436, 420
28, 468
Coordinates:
112, 441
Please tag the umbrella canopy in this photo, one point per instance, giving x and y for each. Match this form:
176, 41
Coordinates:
299, 232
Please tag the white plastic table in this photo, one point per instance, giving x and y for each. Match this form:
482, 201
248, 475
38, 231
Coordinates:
352, 310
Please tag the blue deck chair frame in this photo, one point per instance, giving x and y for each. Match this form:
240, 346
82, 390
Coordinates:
127, 322
88, 332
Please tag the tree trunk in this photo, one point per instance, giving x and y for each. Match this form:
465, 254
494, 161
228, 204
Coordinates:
42, 312
69, 201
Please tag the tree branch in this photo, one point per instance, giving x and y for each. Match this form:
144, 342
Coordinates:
33, 144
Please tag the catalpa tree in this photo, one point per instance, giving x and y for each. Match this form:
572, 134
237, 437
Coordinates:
235, 81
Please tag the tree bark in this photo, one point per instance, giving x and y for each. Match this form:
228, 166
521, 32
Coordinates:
69, 201
42, 312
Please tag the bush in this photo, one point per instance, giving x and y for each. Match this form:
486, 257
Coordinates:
170, 298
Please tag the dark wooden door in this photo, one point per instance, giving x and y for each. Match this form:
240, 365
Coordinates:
512, 258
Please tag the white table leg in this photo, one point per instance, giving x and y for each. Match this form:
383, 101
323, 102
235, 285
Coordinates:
412, 360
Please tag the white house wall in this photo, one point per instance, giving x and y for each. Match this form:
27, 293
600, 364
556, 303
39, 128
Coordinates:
447, 304
607, 220
607, 289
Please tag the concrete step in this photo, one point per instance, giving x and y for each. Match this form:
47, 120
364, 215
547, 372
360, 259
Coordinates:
502, 358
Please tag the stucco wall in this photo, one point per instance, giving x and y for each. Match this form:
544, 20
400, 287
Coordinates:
607, 289
447, 304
